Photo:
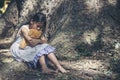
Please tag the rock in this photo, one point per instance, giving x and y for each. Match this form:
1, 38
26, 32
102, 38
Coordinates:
117, 45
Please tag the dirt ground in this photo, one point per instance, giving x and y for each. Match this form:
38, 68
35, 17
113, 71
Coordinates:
82, 69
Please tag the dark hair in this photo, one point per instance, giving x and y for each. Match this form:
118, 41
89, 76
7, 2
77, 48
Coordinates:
40, 17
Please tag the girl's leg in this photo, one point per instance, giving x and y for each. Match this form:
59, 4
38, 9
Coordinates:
53, 58
44, 66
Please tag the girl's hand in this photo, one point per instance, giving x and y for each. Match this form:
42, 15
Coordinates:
34, 42
43, 39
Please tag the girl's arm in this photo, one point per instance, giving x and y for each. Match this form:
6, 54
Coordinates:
32, 42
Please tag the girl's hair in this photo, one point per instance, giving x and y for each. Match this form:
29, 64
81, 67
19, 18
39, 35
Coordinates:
40, 17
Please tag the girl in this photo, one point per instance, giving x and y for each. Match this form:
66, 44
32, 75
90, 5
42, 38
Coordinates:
38, 48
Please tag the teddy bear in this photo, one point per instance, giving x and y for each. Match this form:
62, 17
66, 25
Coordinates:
33, 33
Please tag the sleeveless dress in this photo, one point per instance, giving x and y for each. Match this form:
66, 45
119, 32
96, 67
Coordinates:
29, 54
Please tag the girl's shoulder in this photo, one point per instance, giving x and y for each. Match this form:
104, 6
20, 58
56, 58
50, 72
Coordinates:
26, 27
21, 28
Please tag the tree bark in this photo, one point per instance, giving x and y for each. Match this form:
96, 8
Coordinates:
8, 21
69, 22
19, 12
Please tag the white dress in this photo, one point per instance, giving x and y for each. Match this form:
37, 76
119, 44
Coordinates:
29, 54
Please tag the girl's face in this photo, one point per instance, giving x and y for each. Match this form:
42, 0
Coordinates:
37, 25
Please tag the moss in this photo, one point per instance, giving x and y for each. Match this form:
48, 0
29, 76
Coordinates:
1, 3
115, 64
83, 49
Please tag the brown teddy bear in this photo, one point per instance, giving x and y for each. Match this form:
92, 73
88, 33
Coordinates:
33, 33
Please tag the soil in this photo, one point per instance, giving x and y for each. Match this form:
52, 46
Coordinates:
85, 68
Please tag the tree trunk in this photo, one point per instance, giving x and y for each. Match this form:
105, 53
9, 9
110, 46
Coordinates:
8, 21
70, 23
19, 12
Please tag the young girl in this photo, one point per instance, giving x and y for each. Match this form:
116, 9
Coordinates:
38, 48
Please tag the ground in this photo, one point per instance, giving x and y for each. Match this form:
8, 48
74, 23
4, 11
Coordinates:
85, 68
90, 26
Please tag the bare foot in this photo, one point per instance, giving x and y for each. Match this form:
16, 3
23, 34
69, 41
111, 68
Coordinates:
62, 70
